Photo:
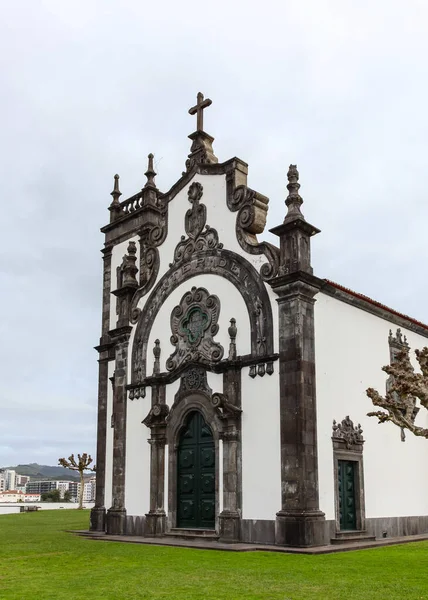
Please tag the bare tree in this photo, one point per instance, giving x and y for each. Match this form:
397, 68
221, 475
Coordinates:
404, 389
81, 465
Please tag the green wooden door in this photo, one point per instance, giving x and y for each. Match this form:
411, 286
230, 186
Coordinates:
347, 503
196, 475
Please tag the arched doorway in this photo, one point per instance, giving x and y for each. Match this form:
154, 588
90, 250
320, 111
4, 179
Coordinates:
196, 474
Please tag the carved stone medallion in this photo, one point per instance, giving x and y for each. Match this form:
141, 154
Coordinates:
193, 326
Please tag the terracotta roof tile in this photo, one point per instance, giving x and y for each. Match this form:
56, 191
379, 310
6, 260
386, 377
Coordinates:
375, 303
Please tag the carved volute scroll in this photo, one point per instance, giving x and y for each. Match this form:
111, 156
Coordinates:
194, 325
252, 210
346, 433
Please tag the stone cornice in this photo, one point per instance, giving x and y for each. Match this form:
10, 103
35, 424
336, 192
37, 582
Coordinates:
237, 364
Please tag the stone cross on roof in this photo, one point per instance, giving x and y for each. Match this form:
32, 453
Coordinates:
201, 104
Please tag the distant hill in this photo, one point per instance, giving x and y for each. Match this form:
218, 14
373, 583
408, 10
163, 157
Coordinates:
36, 471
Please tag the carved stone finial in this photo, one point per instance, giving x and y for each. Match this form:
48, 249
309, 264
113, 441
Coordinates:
150, 173
232, 331
128, 267
347, 432
157, 353
115, 208
294, 201
398, 340
116, 193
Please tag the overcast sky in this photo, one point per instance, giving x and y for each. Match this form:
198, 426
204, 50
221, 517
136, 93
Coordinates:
89, 87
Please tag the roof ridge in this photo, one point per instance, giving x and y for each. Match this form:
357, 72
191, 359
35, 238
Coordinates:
376, 303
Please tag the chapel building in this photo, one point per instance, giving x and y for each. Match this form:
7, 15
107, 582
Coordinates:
232, 379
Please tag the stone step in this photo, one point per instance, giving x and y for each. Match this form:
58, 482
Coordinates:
353, 538
351, 533
203, 534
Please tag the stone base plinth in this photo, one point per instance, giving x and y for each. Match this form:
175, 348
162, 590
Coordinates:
155, 524
116, 521
230, 527
98, 519
300, 529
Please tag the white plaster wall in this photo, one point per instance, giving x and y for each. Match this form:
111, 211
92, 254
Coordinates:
351, 346
109, 440
261, 448
117, 255
137, 475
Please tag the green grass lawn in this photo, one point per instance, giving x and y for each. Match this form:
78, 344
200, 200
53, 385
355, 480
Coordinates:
39, 560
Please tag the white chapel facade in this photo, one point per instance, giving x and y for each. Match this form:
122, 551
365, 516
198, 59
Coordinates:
232, 378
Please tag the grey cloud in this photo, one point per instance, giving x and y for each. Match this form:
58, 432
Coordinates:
89, 89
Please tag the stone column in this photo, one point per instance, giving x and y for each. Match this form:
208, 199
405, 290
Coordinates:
155, 420
230, 403
97, 520
116, 515
299, 522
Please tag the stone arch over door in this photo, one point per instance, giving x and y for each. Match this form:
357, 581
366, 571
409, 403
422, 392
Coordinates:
223, 263
194, 402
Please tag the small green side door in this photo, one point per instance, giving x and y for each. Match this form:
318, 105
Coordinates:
196, 475
347, 501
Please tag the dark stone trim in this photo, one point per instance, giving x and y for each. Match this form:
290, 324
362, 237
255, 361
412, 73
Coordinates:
133, 221
116, 515
299, 521
239, 363
388, 527
230, 402
107, 252
354, 454
175, 422
219, 262
252, 210
155, 522
98, 512
374, 309
258, 531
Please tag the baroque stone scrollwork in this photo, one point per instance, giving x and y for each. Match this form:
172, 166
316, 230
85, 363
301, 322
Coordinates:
223, 263
194, 222
251, 219
157, 415
348, 433
194, 379
226, 408
150, 239
194, 323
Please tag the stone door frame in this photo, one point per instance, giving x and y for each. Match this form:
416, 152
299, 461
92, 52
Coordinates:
194, 401
360, 513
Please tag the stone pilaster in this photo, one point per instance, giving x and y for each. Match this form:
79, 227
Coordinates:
155, 420
97, 519
116, 515
299, 522
230, 403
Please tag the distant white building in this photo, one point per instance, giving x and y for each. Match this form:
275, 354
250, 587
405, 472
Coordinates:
89, 490
18, 496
